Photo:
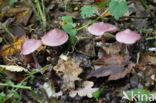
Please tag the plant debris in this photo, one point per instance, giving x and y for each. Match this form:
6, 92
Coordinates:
114, 66
77, 51
69, 71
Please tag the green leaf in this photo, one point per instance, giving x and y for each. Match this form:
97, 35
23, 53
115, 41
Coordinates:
103, 4
88, 11
2, 97
73, 39
69, 28
10, 83
12, 2
67, 19
118, 8
98, 93
154, 43
14, 93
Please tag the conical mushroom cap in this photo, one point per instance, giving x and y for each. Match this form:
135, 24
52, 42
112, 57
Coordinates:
55, 37
100, 28
30, 45
127, 36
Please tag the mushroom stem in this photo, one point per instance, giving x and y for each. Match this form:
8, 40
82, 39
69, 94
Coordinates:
103, 39
126, 49
37, 65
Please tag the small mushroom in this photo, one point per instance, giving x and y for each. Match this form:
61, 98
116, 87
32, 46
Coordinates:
127, 36
55, 37
30, 45
100, 28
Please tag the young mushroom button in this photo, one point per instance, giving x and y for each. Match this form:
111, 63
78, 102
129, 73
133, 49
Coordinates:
30, 45
55, 37
100, 28
127, 36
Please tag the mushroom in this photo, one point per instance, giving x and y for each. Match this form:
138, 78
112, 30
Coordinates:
55, 37
100, 28
127, 36
28, 47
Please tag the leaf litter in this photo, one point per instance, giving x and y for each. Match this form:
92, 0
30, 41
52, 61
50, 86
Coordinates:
71, 78
69, 71
114, 66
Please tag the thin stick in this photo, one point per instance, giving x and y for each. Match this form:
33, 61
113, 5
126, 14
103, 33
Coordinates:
84, 26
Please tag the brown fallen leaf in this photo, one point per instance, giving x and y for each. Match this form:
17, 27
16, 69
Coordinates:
114, 66
21, 11
114, 71
109, 60
10, 49
69, 72
88, 47
147, 58
17, 29
112, 48
146, 67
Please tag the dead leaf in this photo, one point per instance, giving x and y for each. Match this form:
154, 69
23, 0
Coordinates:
147, 58
140, 12
17, 29
110, 60
13, 68
114, 66
69, 71
86, 90
146, 67
50, 90
112, 48
114, 71
21, 11
88, 47
10, 49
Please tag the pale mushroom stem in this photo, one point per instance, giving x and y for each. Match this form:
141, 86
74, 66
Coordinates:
103, 39
37, 65
126, 49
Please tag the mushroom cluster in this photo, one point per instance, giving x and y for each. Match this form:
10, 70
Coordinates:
126, 36
57, 37
54, 37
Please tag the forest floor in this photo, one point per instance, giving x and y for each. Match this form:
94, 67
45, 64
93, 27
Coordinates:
91, 67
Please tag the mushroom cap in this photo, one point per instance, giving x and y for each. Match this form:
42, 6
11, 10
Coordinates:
55, 37
30, 45
127, 36
100, 28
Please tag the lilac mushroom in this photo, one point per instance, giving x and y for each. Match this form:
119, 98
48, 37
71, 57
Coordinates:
128, 36
55, 37
28, 47
100, 28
